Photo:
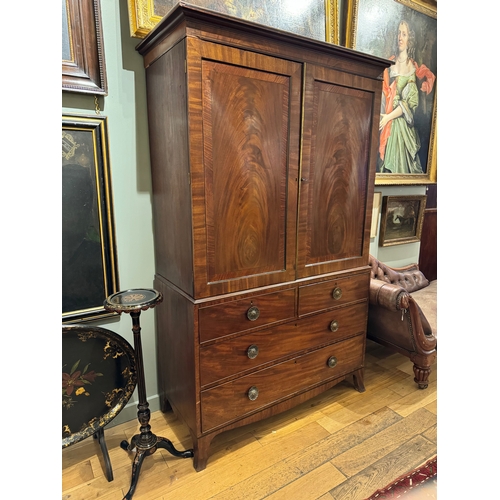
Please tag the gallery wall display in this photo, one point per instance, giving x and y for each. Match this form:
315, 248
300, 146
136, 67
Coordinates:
89, 266
402, 219
83, 63
404, 31
318, 19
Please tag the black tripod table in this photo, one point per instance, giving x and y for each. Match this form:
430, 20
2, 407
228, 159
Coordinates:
146, 443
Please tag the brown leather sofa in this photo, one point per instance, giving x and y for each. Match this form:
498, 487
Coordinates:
402, 315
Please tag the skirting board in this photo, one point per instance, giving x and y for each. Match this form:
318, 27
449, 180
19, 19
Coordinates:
130, 411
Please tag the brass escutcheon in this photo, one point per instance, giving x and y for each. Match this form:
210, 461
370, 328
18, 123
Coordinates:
253, 313
337, 293
252, 351
332, 361
253, 393
334, 325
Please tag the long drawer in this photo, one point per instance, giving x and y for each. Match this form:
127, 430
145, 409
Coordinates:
250, 351
250, 393
332, 293
246, 314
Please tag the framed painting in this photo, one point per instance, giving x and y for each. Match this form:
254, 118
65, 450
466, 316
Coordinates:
83, 63
404, 31
318, 19
402, 219
89, 267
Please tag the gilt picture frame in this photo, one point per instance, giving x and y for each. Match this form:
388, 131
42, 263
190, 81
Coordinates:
89, 265
402, 219
318, 19
408, 143
377, 202
83, 61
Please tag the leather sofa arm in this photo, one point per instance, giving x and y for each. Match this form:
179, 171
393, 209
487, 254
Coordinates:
389, 296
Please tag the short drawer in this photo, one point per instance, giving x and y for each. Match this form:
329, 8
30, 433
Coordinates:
245, 314
333, 293
250, 351
245, 395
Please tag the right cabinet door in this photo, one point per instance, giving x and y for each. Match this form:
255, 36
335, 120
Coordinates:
341, 113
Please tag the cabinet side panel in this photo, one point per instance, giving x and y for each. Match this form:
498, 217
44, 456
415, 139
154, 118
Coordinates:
168, 132
175, 350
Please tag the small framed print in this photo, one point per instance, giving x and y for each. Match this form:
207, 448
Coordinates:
402, 219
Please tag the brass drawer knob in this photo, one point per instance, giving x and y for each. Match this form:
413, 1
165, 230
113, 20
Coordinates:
337, 293
334, 325
253, 393
252, 351
332, 361
253, 313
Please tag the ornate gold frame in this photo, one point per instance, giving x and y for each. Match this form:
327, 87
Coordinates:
429, 8
143, 19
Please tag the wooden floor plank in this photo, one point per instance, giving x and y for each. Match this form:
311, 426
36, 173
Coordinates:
77, 474
238, 466
372, 402
376, 447
312, 485
306, 459
415, 400
377, 475
431, 434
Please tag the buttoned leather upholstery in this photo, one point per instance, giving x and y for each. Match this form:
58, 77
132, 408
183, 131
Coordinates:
403, 314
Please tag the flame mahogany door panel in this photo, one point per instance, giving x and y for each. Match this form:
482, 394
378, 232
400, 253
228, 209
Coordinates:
244, 113
335, 179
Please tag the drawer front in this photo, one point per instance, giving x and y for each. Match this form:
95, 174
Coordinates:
245, 314
252, 350
333, 293
243, 396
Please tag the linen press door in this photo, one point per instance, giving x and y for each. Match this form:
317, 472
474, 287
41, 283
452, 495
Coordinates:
244, 119
339, 138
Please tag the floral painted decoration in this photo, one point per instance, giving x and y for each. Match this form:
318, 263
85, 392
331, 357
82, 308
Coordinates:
76, 379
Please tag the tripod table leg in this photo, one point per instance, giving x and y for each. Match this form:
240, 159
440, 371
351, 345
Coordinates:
167, 445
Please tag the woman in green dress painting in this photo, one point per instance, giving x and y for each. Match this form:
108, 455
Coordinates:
399, 139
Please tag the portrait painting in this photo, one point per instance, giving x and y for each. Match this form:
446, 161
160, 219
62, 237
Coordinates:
316, 19
404, 31
402, 219
89, 271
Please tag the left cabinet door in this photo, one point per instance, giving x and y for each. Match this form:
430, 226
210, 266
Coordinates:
244, 129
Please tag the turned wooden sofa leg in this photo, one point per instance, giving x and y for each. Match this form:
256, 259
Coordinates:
421, 376
422, 368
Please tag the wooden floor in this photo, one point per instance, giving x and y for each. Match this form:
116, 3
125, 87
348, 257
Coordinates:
341, 445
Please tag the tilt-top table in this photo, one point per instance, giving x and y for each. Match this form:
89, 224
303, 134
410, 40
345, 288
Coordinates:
146, 443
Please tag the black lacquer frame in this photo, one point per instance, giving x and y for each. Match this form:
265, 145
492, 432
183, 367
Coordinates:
89, 265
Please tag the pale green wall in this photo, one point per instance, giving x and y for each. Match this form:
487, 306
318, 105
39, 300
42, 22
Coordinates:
125, 107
